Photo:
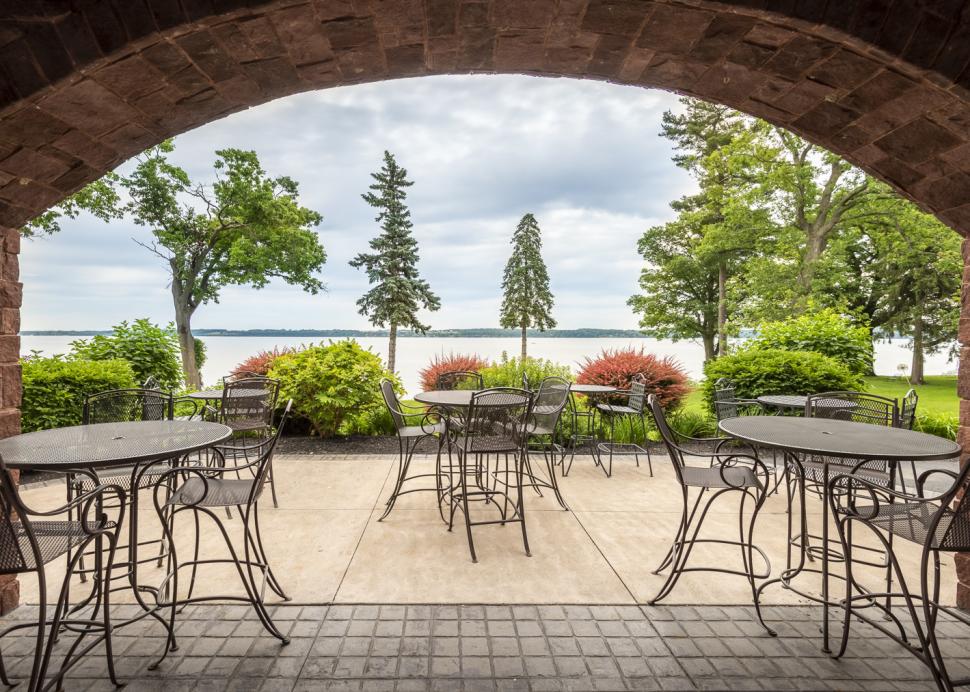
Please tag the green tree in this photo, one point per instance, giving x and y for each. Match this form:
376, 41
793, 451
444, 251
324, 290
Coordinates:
679, 287
246, 228
99, 198
152, 351
526, 298
397, 291
691, 264
921, 261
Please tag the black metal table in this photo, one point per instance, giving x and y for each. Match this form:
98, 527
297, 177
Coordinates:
451, 398
825, 438
783, 401
86, 449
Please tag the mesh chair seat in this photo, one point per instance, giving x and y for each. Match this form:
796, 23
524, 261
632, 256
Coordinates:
617, 409
54, 538
540, 430
247, 424
421, 431
911, 521
814, 471
122, 478
217, 492
719, 477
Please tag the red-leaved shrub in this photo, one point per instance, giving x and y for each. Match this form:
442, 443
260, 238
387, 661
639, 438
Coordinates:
260, 363
615, 368
450, 363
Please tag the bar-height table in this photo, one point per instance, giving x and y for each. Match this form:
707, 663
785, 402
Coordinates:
824, 439
588, 436
86, 449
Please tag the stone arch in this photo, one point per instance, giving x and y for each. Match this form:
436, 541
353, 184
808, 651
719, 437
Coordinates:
84, 85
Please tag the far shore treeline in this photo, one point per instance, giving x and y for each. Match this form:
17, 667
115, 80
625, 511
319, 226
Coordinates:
484, 332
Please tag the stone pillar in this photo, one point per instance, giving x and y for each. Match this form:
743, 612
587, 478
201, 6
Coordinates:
963, 434
11, 292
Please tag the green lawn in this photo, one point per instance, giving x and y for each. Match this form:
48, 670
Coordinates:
938, 395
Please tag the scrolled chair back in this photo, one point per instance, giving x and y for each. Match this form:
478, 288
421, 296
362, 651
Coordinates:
725, 400
497, 420
19, 551
638, 393
392, 403
549, 403
907, 409
668, 436
124, 405
459, 379
858, 407
249, 402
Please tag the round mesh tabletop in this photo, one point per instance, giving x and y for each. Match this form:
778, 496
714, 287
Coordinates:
109, 444
838, 438
216, 394
783, 400
456, 398
591, 388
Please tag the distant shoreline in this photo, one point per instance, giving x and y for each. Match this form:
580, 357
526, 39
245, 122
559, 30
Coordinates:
484, 333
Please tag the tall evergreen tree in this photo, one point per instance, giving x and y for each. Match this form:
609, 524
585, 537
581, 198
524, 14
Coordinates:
527, 300
398, 292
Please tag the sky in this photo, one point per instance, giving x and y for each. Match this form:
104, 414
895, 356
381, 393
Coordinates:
584, 157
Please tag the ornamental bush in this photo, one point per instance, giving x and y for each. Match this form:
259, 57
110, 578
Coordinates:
755, 372
616, 368
54, 389
451, 363
508, 372
335, 387
262, 362
825, 331
151, 350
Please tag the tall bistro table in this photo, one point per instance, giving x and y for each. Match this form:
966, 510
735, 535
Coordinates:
824, 439
87, 449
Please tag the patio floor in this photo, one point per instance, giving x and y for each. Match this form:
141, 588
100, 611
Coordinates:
399, 604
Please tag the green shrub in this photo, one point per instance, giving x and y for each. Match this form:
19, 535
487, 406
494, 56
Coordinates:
151, 350
825, 331
201, 352
508, 372
336, 387
692, 422
54, 389
939, 424
755, 372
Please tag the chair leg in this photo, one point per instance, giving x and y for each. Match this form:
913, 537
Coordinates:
403, 462
464, 503
271, 479
520, 509
273, 582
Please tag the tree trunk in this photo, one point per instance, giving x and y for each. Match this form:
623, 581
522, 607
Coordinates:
814, 247
722, 337
710, 352
183, 319
392, 348
523, 356
916, 369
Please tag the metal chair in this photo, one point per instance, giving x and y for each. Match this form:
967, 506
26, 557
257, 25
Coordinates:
547, 407
459, 379
939, 524
730, 475
248, 406
150, 383
728, 405
494, 429
202, 490
29, 540
408, 439
118, 406
907, 410
632, 411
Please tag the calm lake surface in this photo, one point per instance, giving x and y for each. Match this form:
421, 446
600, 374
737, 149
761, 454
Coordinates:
413, 354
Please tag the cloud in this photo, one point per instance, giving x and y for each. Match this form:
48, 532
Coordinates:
584, 156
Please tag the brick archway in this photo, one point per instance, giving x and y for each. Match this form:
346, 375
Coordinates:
84, 86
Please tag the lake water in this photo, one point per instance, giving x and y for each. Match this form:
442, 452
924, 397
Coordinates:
413, 354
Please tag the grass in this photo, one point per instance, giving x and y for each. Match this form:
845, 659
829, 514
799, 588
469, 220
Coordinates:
937, 396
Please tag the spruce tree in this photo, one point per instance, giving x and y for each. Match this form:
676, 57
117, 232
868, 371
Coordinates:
527, 300
397, 291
